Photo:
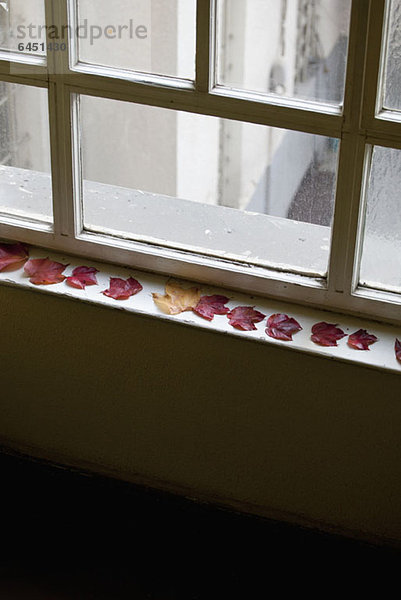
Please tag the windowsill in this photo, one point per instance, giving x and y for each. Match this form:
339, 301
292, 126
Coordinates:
249, 237
380, 356
236, 235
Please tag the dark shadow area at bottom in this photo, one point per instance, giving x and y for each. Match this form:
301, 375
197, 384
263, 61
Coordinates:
68, 535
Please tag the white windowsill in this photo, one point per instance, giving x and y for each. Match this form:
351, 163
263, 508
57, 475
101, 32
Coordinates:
380, 356
259, 239
250, 237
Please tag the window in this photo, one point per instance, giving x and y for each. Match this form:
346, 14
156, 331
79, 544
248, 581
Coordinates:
253, 144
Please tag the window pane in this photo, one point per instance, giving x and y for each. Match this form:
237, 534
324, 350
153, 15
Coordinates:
25, 181
381, 257
292, 48
151, 36
392, 73
235, 190
22, 22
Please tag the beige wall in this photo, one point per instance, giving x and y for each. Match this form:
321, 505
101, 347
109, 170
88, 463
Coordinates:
267, 430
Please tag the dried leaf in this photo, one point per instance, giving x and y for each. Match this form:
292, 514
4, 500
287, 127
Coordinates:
43, 271
177, 299
208, 306
122, 289
245, 317
397, 348
13, 255
326, 334
82, 276
361, 340
282, 327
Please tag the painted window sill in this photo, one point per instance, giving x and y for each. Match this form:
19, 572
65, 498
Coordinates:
380, 356
260, 239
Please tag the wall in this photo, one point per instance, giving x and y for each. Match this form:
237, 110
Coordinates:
262, 429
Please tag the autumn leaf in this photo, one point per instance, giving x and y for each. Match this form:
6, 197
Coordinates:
177, 299
282, 327
82, 276
326, 334
13, 255
245, 317
43, 271
122, 289
208, 306
397, 348
361, 340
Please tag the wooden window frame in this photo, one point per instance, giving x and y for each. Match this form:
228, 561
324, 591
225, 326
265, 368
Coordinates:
359, 124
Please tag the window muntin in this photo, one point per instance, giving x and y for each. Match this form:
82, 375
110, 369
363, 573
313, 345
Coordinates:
25, 179
303, 43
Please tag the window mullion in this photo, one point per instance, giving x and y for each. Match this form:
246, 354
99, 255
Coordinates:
345, 233
204, 44
56, 19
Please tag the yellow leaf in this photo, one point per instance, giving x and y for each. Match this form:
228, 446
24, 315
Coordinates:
177, 299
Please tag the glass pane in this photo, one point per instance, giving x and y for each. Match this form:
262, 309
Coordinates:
381, 257
23, 22
292, 48
392, 80
25, 181
151, 36
235, 190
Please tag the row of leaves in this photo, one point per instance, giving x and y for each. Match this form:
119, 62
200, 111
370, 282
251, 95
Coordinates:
279, 326
43, 271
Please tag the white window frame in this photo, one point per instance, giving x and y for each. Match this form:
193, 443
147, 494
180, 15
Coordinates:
359, 124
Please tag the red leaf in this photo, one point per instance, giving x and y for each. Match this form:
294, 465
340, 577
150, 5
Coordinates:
244, 317
82, 276
43, 271
326, 334
282, 327
208, 306
12, 254
122, 289
361, 340
397, 348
